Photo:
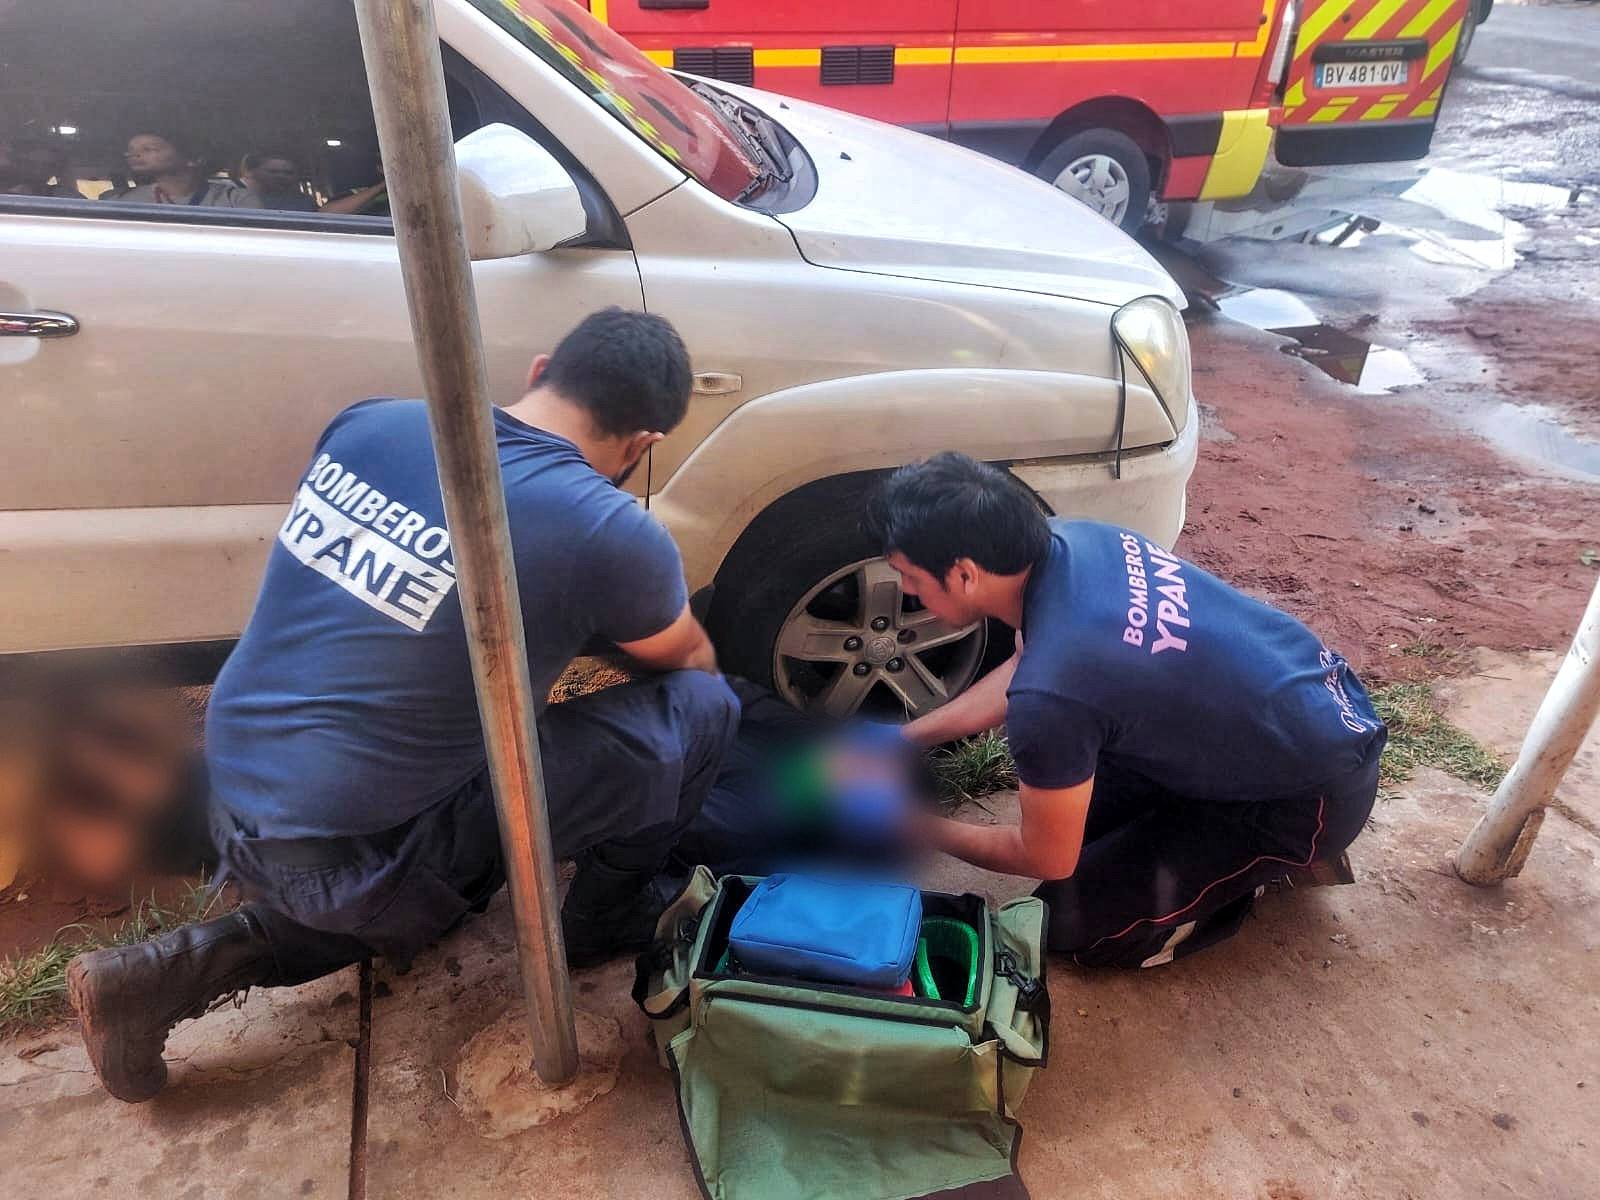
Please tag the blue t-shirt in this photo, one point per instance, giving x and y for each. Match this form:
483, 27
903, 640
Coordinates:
348, 705
1141, 659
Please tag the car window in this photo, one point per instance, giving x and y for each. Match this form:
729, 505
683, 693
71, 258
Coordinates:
657, 107
187, 105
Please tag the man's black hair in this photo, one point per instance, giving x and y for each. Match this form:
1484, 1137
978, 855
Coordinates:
950, 507
256, 157
182, 140
629, 370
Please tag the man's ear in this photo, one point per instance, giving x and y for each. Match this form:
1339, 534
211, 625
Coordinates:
537, 369
965, 573
639, 442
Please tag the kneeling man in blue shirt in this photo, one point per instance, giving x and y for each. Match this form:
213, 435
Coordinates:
1178, 744
349, 799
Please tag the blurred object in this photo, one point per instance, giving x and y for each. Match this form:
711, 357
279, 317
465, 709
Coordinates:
102, 784
871, 811
19, 783
96, 849
797, 790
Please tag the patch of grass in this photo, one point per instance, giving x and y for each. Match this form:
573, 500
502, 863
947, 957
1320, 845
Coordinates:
33, 987
1420, 737
973, 767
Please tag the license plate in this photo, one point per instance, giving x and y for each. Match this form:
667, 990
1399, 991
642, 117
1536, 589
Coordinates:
1363, 75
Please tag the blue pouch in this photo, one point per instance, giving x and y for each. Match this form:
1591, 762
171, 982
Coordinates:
829, 930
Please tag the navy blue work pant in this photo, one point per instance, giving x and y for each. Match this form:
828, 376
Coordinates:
1163, 875
625, 771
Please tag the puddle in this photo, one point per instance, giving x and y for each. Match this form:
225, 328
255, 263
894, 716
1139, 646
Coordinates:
1337, 354
1524, 431
1445, 216
1266, 308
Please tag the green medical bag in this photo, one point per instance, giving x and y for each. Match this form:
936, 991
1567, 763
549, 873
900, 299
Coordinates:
789, 1089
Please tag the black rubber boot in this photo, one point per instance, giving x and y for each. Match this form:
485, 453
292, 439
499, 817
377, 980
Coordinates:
608, 913
128, 998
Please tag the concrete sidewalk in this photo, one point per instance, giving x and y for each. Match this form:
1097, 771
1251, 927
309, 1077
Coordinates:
1407, 1037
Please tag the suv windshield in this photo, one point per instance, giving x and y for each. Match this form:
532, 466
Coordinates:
677, 122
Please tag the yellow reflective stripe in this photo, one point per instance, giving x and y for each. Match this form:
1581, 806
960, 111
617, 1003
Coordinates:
1106, 53
1296, 95
1333, 110
1426, 19
1258, 47
1442, 50
941, 56
788, 58
597, 10
1426, 109
1317, 23
1380, 15
1380, 110
923, 56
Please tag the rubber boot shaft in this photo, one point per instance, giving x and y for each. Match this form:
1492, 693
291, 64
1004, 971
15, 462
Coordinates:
608, 913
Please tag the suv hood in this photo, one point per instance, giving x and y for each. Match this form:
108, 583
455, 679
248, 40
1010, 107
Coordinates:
894, 202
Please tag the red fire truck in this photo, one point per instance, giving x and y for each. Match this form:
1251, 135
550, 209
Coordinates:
1116, 101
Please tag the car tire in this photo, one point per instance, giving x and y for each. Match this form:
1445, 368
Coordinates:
1106, 170
802, 570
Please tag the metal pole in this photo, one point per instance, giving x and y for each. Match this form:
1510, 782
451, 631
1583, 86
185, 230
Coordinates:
1498, 845
400, 43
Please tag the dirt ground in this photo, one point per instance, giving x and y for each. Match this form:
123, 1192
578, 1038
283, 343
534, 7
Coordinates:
1372, 523
1405, 1038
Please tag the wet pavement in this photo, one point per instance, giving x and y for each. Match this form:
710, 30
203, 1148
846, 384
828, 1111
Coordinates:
1372, 273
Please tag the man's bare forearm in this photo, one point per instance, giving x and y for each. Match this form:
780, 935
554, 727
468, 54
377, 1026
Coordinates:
979, 708
997, 848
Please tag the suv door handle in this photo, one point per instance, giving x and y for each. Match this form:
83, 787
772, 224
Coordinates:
717, 383
38, 324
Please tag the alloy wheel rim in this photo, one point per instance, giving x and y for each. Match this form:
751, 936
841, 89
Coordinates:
856, 643
1101, 182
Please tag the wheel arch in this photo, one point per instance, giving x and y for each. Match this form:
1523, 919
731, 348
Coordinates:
1122, 113
765, 535
781, 446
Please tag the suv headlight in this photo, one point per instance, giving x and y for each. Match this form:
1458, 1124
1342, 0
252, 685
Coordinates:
1150, 332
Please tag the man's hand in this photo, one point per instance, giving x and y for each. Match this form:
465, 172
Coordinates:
978, 709
1045, 845
682, 646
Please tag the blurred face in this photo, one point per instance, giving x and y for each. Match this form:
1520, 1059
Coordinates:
150, 155
275, 176
950, 599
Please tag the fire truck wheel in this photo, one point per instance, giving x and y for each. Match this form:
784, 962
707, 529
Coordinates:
1106, 170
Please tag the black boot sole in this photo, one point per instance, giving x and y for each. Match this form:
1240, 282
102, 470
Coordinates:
109, 1053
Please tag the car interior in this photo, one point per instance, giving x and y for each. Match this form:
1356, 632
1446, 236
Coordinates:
231, 80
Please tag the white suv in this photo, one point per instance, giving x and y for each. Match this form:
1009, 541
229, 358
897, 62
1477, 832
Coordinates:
854, 296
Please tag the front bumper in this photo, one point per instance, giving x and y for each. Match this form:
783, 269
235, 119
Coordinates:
1150, 498
1241, 153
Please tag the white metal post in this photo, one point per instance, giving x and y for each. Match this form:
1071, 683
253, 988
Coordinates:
400, 43
1498, 845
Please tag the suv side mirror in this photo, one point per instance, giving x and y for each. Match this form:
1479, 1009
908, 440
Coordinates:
515, 197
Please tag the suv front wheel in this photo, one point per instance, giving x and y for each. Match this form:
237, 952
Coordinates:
808, 608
